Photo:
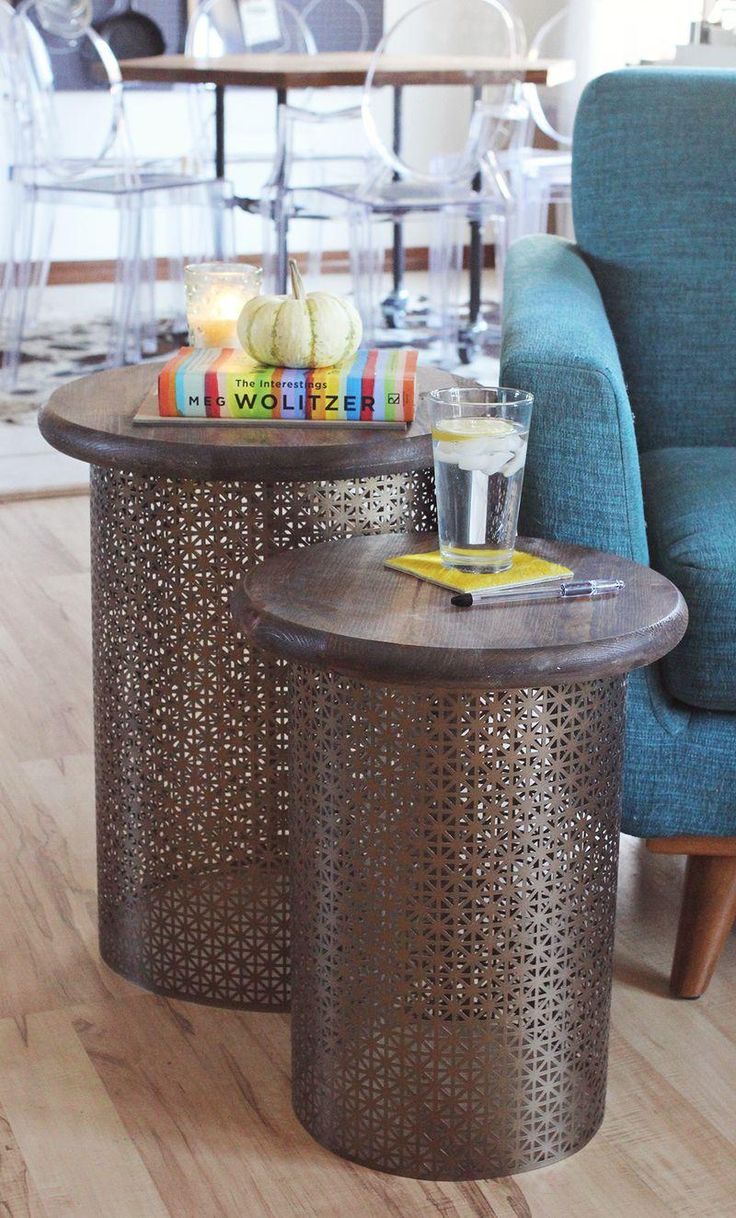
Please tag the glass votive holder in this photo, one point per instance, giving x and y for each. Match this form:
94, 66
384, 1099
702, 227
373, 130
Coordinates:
215, 295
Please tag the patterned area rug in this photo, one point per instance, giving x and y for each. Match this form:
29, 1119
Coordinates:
58, 353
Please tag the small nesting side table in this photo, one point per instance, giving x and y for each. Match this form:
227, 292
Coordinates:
454, 846
191, 730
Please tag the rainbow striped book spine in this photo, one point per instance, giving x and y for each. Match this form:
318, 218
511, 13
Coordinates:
374, 387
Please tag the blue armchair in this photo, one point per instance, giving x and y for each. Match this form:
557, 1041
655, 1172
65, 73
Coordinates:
626, 339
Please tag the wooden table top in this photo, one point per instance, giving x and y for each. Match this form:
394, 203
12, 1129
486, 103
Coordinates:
329, 69
336, 606
91, 418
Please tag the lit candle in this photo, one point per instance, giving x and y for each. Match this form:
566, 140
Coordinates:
216, 293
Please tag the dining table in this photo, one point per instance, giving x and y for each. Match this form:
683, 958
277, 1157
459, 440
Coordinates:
284, 71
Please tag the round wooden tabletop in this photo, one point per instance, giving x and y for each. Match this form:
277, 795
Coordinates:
91, 418
336, 606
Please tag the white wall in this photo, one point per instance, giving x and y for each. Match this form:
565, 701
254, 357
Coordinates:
607, 34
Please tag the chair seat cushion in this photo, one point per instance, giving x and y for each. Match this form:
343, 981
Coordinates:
690, 501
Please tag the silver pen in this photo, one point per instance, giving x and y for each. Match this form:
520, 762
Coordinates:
579, 589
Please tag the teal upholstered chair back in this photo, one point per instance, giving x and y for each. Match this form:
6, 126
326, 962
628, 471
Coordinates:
653, 170
626, 340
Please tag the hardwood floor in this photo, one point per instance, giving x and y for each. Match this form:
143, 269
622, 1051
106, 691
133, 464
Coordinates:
116, 1104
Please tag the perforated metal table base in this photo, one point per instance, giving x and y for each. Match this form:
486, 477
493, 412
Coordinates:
454, 861
192, 728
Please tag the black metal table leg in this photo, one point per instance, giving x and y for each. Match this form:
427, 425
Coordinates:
469, 334
219, 131
219, 162
476, 261
281, 221
395, 304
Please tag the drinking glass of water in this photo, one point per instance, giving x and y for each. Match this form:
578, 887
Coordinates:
479, 439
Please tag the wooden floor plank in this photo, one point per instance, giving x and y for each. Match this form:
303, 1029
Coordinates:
205, 1097
55, 530
69, 1133
666, 1044
45, 657
585, 1184
48, 918
685, 1158
18, 1195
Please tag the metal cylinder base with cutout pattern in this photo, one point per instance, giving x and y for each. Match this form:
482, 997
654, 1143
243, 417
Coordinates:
454, 859
191, 726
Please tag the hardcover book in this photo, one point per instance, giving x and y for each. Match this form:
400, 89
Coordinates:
375, 388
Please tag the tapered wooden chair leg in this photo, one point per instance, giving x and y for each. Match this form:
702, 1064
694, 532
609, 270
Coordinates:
706, 918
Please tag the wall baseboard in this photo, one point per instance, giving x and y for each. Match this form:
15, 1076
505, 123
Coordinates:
333, 262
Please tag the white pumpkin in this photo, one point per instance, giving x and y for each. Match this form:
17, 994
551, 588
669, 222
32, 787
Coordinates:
299, 331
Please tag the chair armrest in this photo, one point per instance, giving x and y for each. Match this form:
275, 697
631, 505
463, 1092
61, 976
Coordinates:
582, 481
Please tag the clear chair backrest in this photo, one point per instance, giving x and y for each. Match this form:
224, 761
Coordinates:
57, 56
338, 25
7, 137
7, 17
552, 109
233, 27
65, 18
447, 122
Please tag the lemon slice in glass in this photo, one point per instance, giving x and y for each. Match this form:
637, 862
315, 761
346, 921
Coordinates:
471, 427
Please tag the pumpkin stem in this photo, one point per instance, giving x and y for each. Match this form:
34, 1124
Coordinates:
297, 283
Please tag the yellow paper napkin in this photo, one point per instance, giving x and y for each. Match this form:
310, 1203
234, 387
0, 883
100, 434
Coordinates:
525, 569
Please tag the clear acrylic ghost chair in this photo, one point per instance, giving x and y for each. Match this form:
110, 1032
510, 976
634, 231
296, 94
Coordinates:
538, 171
227, 27
315, 145
446, 175
59, 161
297, 191
459, 126
336, 25
7, 16
541, 176
237, 27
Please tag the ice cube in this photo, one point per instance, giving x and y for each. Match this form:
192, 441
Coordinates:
473, 448
447, 452
471, 461
488, 463
495, 444
515, 463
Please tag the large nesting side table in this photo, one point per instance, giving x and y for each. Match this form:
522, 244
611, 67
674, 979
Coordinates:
454, 848
191, 728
